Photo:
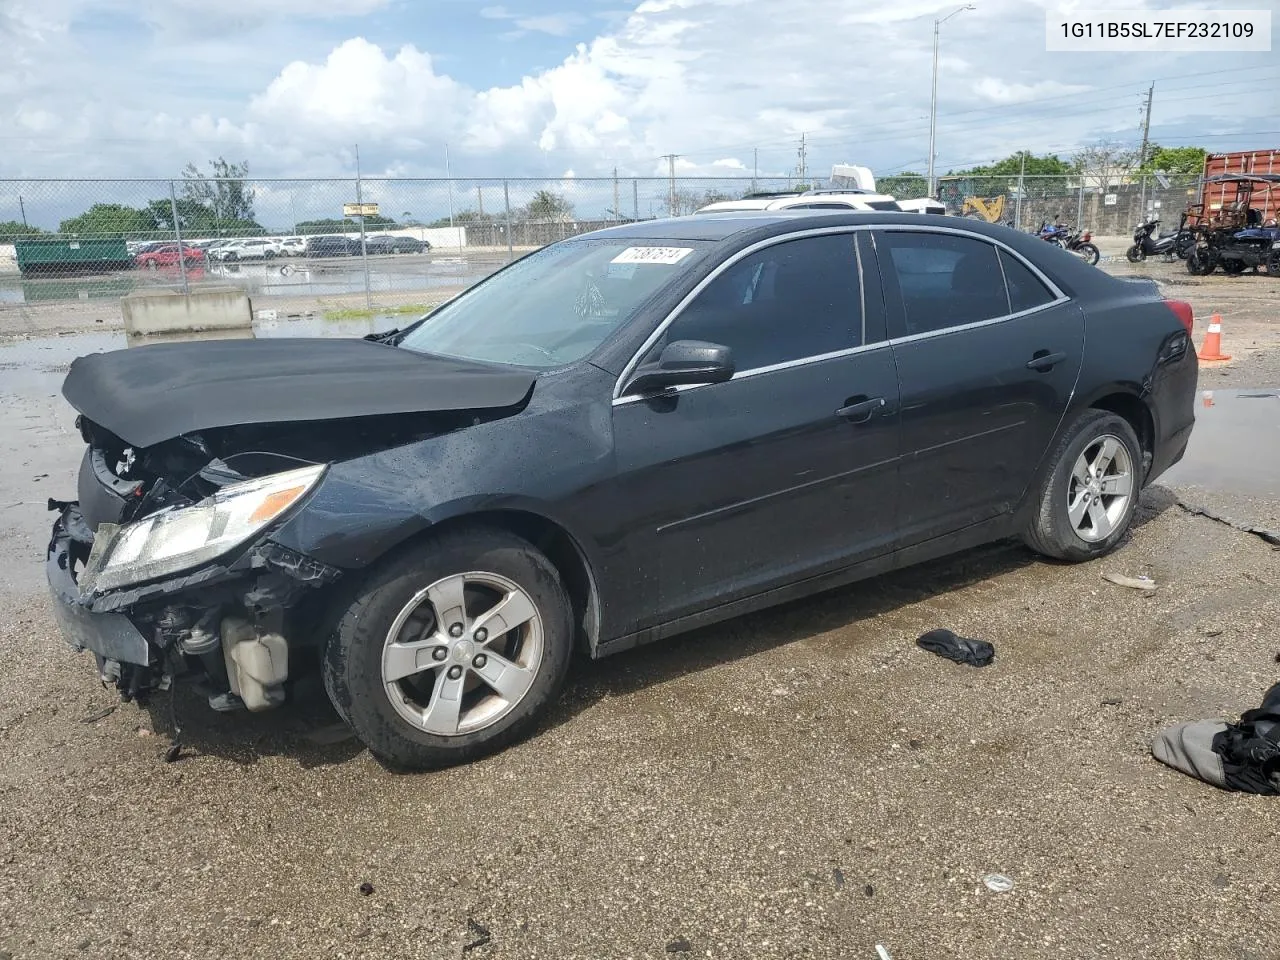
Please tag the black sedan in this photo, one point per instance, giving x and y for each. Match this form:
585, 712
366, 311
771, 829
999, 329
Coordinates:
617, 438
390, 243
334, 245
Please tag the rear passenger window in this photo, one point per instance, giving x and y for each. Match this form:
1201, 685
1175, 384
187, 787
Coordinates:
788, 301
945, 280
1026, 292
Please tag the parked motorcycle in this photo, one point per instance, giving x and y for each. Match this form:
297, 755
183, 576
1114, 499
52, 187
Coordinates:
1079, 244
1176, 243
1071, 240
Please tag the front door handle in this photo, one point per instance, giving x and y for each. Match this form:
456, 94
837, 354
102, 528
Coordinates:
860, 409
1044, 361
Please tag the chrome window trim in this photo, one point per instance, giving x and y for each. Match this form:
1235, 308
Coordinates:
712, 276
930, 334
930, 228
629, 369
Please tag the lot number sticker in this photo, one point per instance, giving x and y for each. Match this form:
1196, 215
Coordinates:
664, 255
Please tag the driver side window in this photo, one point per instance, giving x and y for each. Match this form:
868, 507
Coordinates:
789, 301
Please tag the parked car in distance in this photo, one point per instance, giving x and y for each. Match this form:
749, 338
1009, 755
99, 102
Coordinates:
252, 248
293, 246
334, 245
617, 438
136, 247
387, 243
840, 199
167, 255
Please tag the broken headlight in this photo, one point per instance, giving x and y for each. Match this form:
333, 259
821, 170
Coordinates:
174, 540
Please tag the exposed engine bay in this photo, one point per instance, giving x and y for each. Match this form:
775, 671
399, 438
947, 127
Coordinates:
234, 625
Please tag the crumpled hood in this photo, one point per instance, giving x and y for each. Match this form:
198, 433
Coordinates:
148, 394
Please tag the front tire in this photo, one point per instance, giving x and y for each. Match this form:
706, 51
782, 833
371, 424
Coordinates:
1089, 494
1273, 264
452, 650
1135, 254
1200, 263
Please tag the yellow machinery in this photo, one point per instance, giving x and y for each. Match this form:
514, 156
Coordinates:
990, 209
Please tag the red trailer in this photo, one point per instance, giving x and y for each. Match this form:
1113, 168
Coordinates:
1216, 195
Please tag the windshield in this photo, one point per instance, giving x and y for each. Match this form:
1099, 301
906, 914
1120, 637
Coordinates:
556, 305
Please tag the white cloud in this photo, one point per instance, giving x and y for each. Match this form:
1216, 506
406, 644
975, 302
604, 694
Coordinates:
555, 24
1001, 91
707, 79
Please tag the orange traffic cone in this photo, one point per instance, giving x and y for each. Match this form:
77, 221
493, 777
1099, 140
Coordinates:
1212, 349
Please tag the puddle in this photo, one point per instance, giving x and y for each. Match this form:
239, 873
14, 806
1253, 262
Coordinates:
1235, 447
37, 366
294, 277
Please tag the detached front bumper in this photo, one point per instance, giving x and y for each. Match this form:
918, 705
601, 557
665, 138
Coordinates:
110, 636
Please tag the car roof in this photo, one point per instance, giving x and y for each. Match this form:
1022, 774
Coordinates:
724, 226
737, 230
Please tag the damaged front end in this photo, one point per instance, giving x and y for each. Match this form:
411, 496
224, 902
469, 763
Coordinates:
165, 568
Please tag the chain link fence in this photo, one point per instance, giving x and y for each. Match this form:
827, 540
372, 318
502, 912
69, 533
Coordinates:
396, 245
308, 245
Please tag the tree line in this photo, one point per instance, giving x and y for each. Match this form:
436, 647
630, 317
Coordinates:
222, 202
1099, 165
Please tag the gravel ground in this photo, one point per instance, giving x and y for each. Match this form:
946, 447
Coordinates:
799, 783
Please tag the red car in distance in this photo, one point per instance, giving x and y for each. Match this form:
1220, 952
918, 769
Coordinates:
167, 256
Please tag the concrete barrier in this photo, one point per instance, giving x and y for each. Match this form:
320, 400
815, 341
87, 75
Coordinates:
152, 312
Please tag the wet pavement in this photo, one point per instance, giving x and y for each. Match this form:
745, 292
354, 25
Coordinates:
1235, 447
292, 277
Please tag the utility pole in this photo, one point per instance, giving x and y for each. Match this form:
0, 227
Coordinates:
1142, 154
801, 166
671, 173
617, 215
755, 168
1022, 179
449, 177
480, 200
23, 208
933, 104
1146, 126
364, 250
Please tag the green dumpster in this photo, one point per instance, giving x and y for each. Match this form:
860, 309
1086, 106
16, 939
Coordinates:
67, 256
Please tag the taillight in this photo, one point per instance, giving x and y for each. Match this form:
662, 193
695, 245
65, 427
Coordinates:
1182, 310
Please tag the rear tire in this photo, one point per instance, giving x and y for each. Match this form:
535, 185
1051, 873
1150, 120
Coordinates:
1088, 253
1076, 518
1135, 254
1273, 264
395, 651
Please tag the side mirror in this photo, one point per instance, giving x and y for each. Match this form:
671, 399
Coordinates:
683, 363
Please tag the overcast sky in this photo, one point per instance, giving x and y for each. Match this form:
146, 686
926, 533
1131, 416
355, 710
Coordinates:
132, 88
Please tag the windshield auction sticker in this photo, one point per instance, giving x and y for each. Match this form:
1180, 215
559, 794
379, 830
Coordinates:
665, 255
1154, 31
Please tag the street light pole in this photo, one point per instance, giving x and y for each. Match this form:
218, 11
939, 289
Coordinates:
933, 103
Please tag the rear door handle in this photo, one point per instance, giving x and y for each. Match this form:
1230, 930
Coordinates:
1044, 361
860, 410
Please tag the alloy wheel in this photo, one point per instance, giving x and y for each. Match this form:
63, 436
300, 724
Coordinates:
1100, 489
462, 653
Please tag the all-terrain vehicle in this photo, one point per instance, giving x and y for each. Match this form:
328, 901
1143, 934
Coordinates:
1234, 235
